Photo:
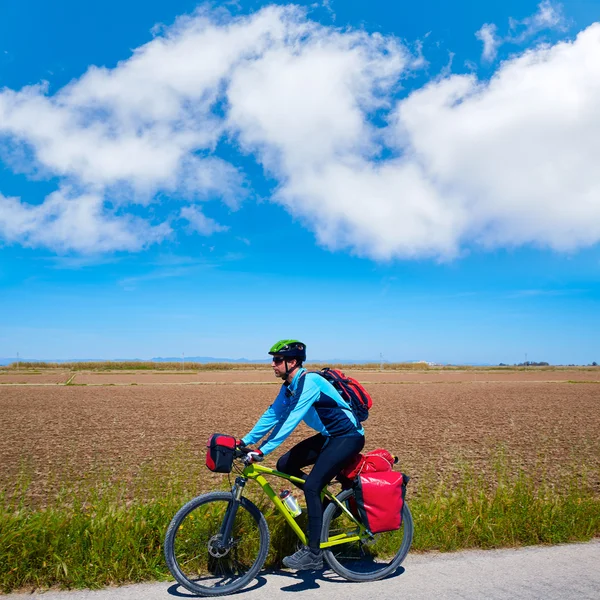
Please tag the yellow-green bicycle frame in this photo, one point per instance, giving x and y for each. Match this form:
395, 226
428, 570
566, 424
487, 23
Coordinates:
257, 472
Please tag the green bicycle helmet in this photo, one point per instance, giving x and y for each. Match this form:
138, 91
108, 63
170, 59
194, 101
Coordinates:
289, 349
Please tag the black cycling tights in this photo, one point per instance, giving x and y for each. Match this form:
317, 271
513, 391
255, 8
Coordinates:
329, 456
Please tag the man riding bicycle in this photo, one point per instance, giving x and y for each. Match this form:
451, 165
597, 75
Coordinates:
311, 398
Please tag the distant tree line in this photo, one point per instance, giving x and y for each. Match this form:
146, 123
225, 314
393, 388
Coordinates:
529, 363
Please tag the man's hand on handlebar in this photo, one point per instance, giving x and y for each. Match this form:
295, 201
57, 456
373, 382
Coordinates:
240, 446
254, 456
250, 455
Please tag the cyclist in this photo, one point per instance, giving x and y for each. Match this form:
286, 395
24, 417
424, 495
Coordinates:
308, 397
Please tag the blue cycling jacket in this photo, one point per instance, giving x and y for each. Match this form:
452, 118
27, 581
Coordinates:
311, 398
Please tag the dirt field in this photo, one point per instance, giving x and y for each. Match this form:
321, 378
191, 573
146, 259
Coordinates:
69, 433
28, 377
224, 377
266, 376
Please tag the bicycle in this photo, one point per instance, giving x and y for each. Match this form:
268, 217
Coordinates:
218, 542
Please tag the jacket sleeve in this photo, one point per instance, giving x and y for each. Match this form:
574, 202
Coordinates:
295, 412
266, 422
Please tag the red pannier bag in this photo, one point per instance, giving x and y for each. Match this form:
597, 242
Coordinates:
379, 500
219, 453
375, 461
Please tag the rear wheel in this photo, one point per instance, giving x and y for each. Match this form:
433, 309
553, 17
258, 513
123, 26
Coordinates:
367, 559
198, 557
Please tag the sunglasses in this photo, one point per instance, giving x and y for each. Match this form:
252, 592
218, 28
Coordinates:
278, 359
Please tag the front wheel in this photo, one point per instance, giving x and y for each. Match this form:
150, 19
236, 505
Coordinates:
366, 559
198, 557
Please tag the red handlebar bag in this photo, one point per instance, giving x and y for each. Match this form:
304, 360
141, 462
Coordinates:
219, 453
379, 499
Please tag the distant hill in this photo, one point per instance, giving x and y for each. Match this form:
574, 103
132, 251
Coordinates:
188, 359
198, 359
211, 359
9, 361
208, 359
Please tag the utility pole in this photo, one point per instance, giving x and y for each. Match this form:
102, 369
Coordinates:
381, 361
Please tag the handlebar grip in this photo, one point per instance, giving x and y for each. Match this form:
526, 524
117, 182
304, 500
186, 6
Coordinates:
255, 458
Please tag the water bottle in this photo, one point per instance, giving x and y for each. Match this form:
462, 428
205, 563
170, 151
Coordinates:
290, 502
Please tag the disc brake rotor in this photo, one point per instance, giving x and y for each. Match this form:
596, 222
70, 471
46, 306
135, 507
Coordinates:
216, 548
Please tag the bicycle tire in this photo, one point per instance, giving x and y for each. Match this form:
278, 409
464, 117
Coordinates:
365, 561
189, 546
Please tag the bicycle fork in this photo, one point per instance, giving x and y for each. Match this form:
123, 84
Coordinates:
232, 508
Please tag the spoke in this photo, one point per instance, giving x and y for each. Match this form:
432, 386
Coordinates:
194, 544
181, 564
221, 569
241, 567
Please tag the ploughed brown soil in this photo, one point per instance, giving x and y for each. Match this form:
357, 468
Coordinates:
153, 378
28, 377
266, 376
99, 432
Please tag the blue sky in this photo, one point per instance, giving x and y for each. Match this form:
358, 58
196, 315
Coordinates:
412, 180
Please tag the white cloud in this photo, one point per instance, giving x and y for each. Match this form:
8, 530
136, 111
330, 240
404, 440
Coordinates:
549, 15
517, 155
68, 221
142, 121
199, 222
487, 35
326, 5
494, 163
130, 132
301, 104
503, 163
378, 210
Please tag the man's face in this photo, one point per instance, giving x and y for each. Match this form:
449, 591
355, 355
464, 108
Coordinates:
278, 364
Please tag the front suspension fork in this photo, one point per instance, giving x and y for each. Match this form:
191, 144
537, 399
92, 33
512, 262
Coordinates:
232, 508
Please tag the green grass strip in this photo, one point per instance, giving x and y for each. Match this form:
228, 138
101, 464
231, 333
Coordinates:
106, 540
515, 513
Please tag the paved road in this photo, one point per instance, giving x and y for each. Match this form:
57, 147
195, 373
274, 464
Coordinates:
565, 572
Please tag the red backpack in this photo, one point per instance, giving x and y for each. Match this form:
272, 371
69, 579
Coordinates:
350, 390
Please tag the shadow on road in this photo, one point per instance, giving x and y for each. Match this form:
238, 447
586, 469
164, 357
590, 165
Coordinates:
180, 592
301, 581
309, 580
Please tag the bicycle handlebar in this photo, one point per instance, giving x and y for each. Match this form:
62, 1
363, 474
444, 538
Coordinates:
242, 452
